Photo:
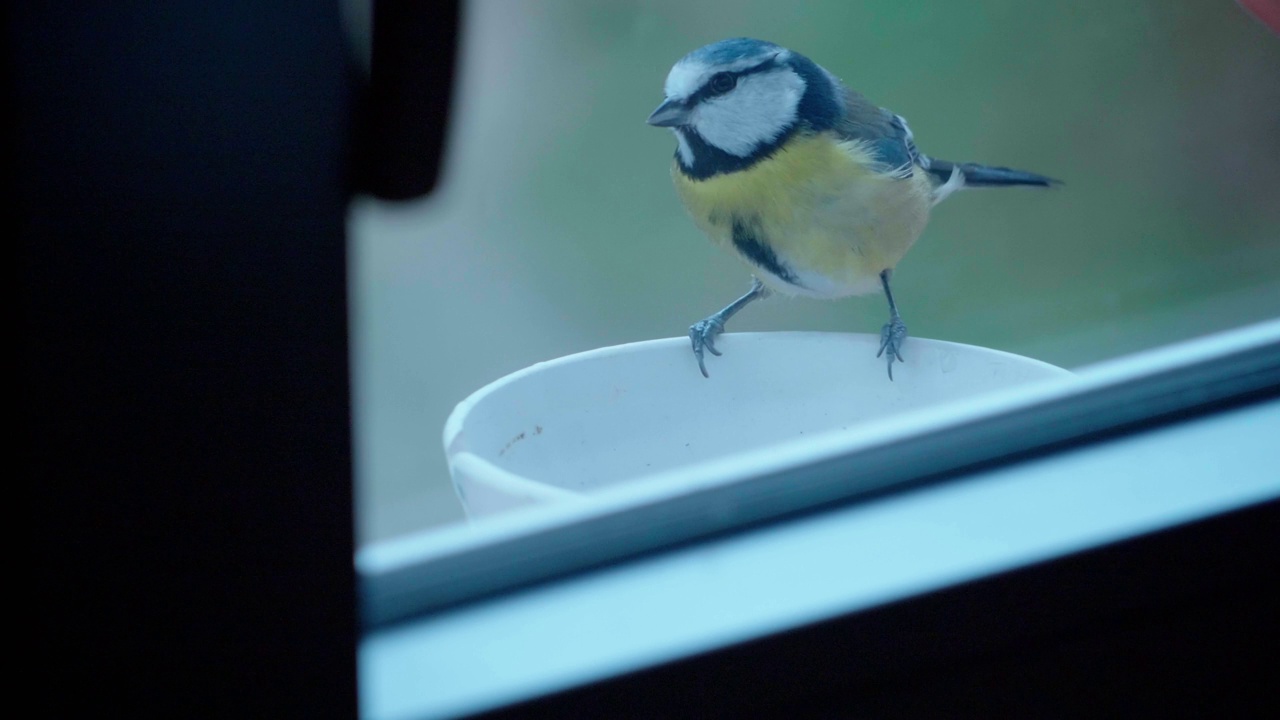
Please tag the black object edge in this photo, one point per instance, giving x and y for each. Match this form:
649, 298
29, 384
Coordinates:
181, 177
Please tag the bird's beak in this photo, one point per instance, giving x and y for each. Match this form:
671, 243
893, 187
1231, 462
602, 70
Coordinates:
669, 114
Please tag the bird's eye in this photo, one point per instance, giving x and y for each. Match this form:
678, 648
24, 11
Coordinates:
722, 83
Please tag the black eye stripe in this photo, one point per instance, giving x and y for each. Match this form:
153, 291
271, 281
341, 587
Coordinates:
722, 82
707, 91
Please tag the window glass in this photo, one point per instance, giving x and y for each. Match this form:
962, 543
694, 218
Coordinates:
556, 228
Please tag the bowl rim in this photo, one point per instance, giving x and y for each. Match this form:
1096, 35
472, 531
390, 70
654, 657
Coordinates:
459, 457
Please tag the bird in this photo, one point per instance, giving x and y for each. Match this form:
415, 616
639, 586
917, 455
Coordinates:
820, 191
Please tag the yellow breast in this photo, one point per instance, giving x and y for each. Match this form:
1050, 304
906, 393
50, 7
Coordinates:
822, 207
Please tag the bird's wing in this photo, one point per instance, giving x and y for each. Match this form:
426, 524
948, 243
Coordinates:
885, 134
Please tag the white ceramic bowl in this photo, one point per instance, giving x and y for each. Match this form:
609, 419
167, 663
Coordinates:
566, 427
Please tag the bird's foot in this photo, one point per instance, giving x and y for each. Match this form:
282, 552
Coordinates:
892, 335
703, 336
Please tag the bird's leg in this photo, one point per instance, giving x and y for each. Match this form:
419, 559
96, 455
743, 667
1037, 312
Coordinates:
894, 332
703, 333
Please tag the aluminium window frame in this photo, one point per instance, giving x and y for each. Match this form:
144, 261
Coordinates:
436, 570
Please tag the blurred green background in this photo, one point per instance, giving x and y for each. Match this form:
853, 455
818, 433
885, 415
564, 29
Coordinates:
556, 229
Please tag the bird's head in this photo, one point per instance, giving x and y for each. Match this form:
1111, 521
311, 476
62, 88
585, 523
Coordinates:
735, 102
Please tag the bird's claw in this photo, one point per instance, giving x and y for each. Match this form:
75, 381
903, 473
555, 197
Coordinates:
892, 335
702, 335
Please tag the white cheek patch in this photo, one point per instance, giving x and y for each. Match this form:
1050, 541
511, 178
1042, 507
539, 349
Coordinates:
682, 147
754, 113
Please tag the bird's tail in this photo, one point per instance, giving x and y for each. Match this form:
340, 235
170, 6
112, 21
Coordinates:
988, 176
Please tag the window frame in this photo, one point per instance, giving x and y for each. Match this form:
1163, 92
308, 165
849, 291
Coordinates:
435, 570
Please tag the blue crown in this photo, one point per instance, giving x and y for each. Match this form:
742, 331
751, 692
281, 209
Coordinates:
734, 49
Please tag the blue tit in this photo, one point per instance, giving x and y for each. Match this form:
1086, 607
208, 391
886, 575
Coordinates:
818, 190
